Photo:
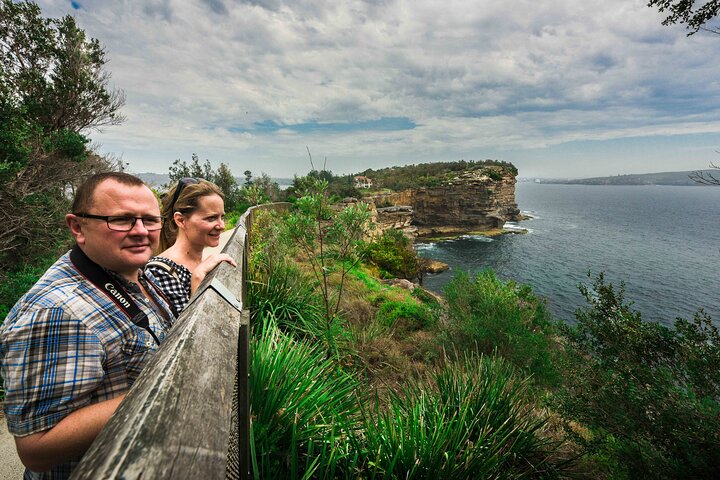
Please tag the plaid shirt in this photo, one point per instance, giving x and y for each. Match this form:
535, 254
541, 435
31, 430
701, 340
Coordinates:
66, 345
175, 288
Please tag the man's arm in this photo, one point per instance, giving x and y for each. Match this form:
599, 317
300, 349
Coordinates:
71, 437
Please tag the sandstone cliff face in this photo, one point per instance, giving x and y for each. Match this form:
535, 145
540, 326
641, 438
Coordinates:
471, 201
395, 217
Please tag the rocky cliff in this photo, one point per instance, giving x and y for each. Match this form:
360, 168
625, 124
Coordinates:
469, 201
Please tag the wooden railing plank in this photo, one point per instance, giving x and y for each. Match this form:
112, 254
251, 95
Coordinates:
176, 420
175, 423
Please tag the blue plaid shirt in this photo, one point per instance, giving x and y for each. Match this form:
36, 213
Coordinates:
66, 345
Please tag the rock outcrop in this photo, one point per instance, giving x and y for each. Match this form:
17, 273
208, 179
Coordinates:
471, 201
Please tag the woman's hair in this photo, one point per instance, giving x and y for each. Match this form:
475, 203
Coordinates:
185, 202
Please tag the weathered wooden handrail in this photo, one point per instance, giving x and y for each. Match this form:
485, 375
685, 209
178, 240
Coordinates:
177, 421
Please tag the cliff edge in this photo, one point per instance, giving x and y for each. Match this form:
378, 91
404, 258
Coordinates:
468, 201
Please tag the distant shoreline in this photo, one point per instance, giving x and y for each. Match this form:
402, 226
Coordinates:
643, 179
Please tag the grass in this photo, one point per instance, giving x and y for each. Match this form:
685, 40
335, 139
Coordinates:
303, 405
470, 419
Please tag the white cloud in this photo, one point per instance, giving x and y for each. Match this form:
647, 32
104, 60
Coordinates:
478, 78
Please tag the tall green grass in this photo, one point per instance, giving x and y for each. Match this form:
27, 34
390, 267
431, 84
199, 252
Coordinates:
471, 419
303, 406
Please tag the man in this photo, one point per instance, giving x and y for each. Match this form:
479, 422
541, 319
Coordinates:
74, 344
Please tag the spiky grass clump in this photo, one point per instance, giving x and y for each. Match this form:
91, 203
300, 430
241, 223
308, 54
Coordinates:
284, 294
471, 420
304, 407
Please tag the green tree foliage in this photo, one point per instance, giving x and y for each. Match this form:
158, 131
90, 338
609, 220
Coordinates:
330, 241
339, 187
501, 318
222, 177
432, 174
53, 89
651, 393
393, 253
261, 189
688, 13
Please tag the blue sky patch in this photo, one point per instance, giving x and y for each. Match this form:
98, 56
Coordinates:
385, 124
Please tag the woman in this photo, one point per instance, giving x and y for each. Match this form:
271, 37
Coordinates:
193, 213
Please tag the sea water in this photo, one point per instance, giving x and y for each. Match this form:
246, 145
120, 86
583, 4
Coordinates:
662, 241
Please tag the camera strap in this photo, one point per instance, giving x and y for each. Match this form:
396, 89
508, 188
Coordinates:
111, 288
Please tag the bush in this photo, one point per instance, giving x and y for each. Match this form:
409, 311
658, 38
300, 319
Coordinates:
489, 316
16, 283
393, 253
650, 393
412, 314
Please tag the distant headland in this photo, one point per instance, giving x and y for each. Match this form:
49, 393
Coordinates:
661, 178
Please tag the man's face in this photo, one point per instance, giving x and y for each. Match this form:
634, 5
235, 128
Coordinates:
121, 252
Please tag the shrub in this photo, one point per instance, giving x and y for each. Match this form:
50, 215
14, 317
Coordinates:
329, 242
16, 283
491, 316
393, 252
650, 393
414, 315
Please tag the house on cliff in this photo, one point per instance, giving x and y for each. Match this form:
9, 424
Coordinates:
362, 181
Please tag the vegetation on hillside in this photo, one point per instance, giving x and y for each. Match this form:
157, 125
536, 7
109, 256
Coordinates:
486, 385
432, 174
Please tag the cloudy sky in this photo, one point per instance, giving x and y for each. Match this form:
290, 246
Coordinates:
558, 87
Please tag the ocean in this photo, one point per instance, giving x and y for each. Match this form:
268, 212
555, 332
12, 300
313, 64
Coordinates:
662, 241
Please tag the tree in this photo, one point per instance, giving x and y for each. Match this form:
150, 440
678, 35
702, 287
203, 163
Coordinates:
181, 169
53, 90
685, 12
706, 177
222, 177
653, 391
330, 241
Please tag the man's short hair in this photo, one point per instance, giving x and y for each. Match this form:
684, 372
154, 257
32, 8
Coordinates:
84, 194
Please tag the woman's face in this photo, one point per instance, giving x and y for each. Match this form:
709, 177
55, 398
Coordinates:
206, 223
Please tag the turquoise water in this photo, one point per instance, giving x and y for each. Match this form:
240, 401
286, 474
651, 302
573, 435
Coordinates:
663, 241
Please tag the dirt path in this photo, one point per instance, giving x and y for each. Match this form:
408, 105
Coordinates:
10, 466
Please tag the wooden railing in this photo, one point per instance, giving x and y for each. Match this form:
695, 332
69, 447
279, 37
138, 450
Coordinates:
188, 414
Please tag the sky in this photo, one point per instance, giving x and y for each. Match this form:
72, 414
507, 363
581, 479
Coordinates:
560, 88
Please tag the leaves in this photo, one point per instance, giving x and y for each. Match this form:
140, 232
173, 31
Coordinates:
53, 88
685, 11
655, 389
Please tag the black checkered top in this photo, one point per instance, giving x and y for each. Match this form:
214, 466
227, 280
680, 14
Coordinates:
174, 280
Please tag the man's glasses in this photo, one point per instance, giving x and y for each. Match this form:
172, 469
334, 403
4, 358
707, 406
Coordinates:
122, 223
182, 183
